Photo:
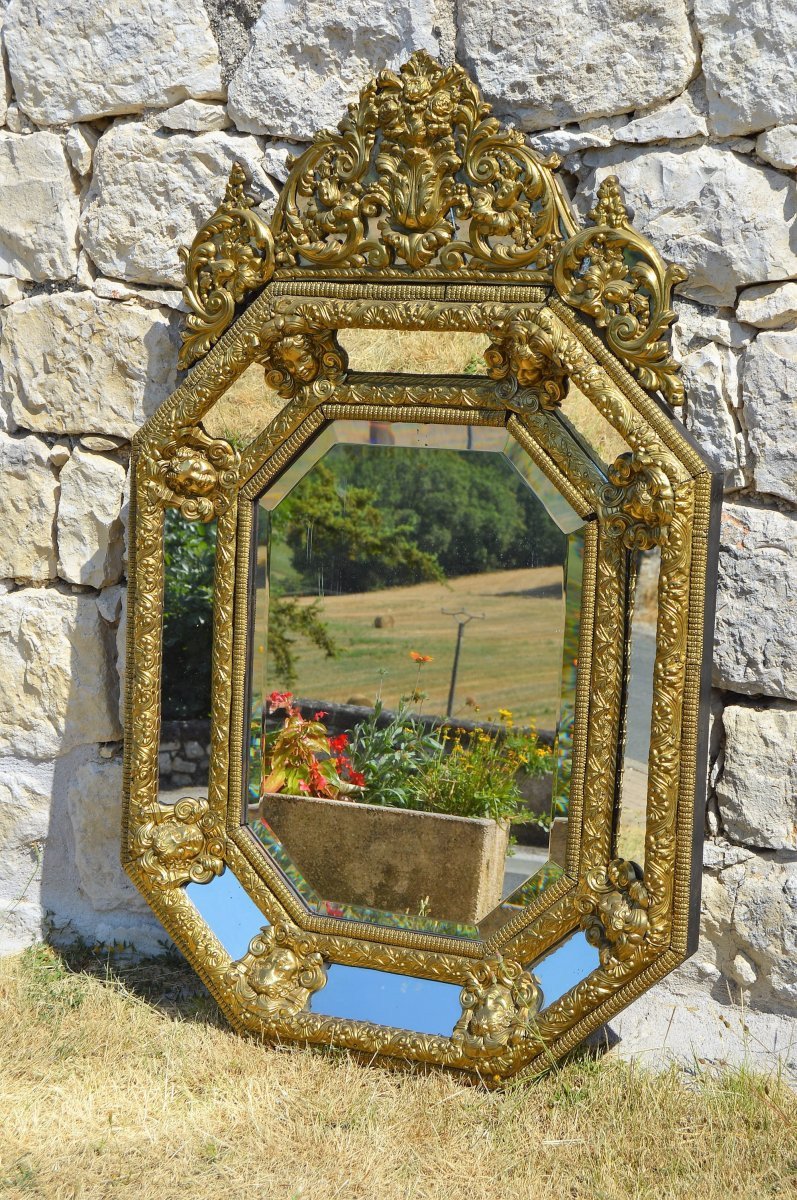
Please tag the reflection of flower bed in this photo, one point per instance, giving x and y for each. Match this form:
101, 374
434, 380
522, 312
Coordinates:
400, 761
395, 816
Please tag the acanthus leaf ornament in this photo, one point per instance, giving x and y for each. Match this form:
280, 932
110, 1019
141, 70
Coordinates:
619, 279
195, 473
499, 1003
638, 502
180, 843
614, 914
231, 255
279, 972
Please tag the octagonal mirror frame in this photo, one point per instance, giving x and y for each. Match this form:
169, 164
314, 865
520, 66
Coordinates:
491, 247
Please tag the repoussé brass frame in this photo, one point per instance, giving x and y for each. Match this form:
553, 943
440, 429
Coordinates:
495, 250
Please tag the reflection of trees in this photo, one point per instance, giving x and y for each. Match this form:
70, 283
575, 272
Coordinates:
189, 553
342, 541
380, 517
287, 622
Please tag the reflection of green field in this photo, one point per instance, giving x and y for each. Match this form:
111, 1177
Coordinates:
511, 659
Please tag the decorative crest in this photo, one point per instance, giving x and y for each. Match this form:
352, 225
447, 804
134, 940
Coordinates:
619, 279
420, 180
499, 1002
418, 175
232, 254
279, 973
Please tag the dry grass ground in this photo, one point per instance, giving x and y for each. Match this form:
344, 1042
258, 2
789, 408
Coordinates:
111, 1090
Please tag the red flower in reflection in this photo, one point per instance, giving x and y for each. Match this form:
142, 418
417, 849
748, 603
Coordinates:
339, 743
279, 700
319, 716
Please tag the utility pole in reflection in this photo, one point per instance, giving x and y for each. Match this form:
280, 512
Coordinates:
462, 618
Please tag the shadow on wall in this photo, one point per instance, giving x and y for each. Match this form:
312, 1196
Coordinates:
84, 893
61, 772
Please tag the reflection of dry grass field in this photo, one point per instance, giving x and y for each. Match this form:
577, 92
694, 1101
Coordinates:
249, 405
511, 659
112, 1090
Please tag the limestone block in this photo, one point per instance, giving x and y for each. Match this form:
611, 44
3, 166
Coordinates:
10, 290
151, 192
89, 528
5, 80
94, 805
72, 363
25, 800
307, 60
698, 324
75, 61
574, 139
590, 58
59, 690
769, 393
757, 790
39, 208
727, 220
678, 119
28, 499
16, 121
276, 158
750, 61
779, 147
680, 1021
751, 909
755, 641
81, 142
770, 306
59, 453
196, 116
709, 375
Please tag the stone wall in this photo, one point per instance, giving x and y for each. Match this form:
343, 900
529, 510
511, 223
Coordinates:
119, 124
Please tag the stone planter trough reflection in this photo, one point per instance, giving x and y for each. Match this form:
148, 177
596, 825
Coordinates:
394, 859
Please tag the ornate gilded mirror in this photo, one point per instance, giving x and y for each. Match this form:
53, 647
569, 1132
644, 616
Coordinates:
421, 535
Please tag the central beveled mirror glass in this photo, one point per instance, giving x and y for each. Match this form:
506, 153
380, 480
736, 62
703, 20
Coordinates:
420, 588
414, 635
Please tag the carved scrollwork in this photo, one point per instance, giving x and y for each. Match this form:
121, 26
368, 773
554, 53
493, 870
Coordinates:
232, 255
301, 356
499, 1002
195, 473
180, 843
279, 973
614, 914
638, 502
420, 174
529, 353
616, 276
